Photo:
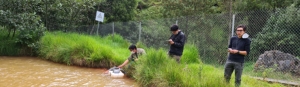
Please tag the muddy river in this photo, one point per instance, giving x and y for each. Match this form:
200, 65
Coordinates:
36, 72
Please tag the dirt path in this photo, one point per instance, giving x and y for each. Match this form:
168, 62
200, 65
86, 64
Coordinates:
287, 83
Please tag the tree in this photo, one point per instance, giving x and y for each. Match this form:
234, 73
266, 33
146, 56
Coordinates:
246, 5
55, 14
119, 10
68, 14
189, 7
257, 12
28, 28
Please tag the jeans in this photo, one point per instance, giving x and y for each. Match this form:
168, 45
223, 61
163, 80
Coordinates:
237, 67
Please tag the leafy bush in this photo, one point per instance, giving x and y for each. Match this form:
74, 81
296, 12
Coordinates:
26, 26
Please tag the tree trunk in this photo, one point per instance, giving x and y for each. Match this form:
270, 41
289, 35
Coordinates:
9, 32
14, 32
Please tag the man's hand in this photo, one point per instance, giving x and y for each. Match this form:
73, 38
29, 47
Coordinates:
233, 51
171, 41
229, 50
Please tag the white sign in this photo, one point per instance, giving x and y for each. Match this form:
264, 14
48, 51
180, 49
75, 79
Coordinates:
99, 16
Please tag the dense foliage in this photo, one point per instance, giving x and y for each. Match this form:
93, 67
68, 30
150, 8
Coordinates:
26, 27
119, 10
281, 32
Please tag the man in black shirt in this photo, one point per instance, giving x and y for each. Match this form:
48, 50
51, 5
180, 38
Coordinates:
176, 41
238, 48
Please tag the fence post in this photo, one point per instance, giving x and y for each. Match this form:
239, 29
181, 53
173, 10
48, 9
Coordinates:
98, 28
232, 30
113, 28
232, 27
140, 31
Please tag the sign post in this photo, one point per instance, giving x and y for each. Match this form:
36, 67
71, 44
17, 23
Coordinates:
99, 18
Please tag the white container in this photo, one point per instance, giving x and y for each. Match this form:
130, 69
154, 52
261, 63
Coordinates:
116, 72
116, 75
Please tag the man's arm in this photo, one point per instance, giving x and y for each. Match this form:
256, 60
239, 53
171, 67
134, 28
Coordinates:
181, 42
247, 49
125, 63
230, 46
241, 52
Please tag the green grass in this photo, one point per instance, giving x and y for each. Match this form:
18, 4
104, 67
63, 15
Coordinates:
190, 54
157, 69
268, 73
153, 69
65, 47
8, 46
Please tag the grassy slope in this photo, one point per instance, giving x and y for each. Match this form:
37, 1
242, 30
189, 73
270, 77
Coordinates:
156, 69
153, 69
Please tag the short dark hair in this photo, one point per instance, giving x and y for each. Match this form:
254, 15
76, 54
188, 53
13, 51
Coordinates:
174, 27
131, 47
242, 26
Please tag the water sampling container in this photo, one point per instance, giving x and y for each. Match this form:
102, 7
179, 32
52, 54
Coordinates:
116, 72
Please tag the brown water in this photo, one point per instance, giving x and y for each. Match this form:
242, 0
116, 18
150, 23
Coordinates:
35, 72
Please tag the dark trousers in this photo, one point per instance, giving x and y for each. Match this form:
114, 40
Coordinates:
237, 67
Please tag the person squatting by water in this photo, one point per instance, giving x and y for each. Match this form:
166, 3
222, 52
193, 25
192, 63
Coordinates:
176, 41
134, 55
238, 48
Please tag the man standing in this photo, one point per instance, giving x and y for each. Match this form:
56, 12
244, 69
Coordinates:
176, 41
238, 48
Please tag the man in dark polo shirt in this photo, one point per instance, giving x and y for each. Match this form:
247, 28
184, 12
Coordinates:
238, 48
176, 41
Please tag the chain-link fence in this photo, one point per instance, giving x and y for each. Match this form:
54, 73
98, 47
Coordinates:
210, 33
272, 32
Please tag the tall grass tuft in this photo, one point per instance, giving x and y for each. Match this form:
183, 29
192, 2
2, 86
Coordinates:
92, 51
8, 46
148, 68
190, 54
158, 70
